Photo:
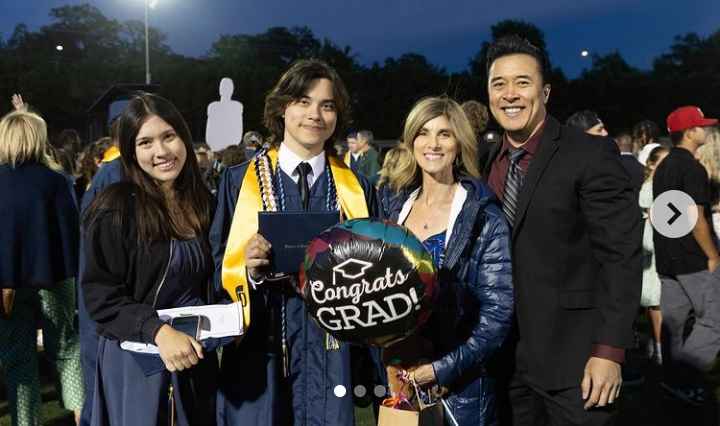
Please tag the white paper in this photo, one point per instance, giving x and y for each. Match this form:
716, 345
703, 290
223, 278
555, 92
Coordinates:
217, 321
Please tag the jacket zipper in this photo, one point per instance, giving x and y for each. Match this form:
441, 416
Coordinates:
162, 281
452, 256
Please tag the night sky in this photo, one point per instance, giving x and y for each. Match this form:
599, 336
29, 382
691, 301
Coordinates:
447, 32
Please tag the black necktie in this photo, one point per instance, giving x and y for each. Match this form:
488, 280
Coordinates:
513, 185
303, 169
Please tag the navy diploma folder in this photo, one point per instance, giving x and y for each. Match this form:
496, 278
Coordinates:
290, 234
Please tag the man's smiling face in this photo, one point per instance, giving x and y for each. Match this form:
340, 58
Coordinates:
517, 94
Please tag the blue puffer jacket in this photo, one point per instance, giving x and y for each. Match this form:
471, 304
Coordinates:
474, 311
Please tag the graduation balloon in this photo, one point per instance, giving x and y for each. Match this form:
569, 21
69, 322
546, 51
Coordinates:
368, 282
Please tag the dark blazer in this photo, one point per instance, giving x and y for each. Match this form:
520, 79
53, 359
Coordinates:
634, 169
576, 246
120, 277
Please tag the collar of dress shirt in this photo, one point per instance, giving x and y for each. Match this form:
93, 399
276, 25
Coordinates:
288, 162
530, 146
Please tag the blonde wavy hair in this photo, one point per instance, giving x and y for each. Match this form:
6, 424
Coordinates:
392, 157
405, 173
709, 154
23, 138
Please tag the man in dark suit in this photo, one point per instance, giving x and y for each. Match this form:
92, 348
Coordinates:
634, 169
589, 122
576, 243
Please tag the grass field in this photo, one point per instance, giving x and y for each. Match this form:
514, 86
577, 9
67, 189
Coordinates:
53, 414
645, 405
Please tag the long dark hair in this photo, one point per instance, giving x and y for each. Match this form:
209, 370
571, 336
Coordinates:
155, 218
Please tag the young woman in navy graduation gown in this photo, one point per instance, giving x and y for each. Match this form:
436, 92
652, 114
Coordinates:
146, 249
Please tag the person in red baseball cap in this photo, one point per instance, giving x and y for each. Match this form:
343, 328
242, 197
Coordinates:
687, 118
688, 265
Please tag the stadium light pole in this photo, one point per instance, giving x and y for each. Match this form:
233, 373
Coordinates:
148, 5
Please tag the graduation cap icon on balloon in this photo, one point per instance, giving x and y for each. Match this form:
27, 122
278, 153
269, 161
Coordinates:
351, 269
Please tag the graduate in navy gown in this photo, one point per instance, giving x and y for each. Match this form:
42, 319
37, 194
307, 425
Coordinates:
286, 369
145, 248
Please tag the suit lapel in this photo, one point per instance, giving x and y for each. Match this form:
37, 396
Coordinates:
493, 153
546, 149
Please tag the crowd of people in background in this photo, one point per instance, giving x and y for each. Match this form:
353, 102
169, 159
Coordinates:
563, 236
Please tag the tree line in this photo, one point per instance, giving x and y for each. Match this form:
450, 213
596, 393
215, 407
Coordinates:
99, 52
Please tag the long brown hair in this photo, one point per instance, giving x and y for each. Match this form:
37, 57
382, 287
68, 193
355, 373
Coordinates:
155, 218
643, 133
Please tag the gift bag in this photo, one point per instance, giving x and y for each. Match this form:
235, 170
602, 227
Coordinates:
429, 415
395, 413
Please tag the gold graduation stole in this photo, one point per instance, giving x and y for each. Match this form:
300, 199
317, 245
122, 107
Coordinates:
256, 194
347, 158
110, 154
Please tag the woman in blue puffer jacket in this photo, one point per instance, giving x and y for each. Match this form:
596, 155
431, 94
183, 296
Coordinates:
433, 190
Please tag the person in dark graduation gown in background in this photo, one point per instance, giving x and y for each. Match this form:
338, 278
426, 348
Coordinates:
286, 368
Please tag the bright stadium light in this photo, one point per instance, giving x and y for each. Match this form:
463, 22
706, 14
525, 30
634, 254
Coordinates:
148, 4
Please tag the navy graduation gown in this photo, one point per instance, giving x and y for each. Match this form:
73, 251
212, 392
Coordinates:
108, 174
253, 390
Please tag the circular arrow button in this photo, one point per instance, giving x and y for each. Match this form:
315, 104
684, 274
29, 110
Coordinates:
673, 214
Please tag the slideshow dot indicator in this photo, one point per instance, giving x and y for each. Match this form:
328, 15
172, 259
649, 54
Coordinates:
340, 391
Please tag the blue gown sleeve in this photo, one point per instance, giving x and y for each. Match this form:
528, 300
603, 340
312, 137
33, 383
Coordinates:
108, 174
227, 195
371, 197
